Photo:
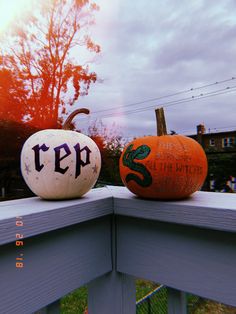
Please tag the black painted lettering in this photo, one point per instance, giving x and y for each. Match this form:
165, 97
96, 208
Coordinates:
36, 150
79, 162
58, 157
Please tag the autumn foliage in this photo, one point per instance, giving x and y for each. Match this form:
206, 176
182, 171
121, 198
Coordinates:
110, 142
41, 73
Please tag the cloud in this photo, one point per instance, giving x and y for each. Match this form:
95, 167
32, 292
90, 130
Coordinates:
152, 49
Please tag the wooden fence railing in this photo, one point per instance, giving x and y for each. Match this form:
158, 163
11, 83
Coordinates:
108, 238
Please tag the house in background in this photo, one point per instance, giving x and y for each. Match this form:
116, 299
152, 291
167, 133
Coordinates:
220, 148
217, 142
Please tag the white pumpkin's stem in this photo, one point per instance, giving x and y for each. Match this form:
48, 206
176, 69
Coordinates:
161, 122
67, 124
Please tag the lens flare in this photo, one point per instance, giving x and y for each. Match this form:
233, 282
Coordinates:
11, 10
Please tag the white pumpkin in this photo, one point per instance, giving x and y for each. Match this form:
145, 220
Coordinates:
60, 164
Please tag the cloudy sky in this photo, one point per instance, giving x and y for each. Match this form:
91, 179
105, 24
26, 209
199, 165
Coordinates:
179, 54
153, 49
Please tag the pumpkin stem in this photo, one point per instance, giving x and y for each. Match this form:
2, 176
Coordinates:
67, 124
161, 122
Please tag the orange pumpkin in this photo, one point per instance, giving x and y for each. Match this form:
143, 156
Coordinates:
163, 167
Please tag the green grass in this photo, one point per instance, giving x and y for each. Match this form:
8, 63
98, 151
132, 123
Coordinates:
210, 307
76, 302
143, 287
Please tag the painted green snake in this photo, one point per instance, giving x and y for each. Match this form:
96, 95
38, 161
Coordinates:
128, 160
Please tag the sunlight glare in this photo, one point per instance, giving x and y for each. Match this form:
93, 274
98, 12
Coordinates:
10, 10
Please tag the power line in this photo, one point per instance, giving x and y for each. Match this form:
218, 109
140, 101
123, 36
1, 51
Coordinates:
218, 92
223, 127
211, 130
166, 96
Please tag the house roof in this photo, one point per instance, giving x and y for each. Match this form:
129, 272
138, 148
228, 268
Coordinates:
210, 134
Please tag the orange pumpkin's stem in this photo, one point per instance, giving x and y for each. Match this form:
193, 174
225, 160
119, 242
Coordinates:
67, 124
161, 122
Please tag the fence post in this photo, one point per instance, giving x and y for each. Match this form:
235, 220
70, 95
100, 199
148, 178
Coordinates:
114, 292
176, 301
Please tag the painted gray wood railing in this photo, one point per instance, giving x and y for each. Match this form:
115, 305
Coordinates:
106, 240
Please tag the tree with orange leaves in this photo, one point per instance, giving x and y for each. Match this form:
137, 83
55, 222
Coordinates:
44, 77
13, 96
111, 144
